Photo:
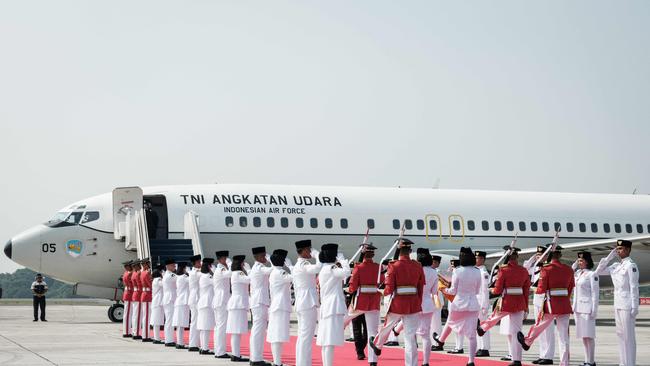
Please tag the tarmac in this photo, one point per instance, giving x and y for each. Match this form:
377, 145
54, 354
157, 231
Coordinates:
79, 333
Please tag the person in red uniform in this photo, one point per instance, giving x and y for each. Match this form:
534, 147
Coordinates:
556, 282
135, 300
363, 284
513, 284
404, 283
145, 299
126, 299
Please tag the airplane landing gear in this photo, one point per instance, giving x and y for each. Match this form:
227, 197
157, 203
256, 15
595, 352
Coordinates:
116, 313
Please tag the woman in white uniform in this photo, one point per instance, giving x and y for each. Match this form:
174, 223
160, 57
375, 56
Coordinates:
280, 308
238, 307
157, 312
585, 304
205, 320
181, 306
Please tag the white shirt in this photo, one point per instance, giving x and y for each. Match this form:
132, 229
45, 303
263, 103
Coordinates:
625, 276
239, 282
193, 297
280, 287
430, 288
182, 290
259, 276
169, 288
304, 284
483, 296
331, 279
42, 283
586, 292
465, 284
221, 285
206, 292
156, 292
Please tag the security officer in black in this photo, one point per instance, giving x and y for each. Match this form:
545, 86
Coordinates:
39, 288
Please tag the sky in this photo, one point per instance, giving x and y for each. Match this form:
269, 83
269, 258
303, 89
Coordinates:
508, 95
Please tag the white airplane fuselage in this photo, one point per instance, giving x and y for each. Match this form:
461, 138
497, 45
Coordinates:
237, 217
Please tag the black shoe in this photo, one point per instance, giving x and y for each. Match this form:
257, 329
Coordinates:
374, 347
123, 335
457, 351
361, 357
536, 361
482, 353
470, 364
425, 364
137, 337
225, 355
180, 346
479, 330
391, 344
238, 359
372, 364
147, 340
435, 339
545, 361
522, 340
193, 349
437, 348
349, 339
157, 342
170, 344
515, 363
506, 358
259, 363
43, 320
205, 352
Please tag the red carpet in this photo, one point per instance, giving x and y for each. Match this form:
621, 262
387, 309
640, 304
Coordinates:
346, 355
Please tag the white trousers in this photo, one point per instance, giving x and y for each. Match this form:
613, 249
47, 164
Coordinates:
327, 355
126, 318
145, 313
460, 340
204, 340
515, 322
436, 322
135, 318
424, 331
235, 344
410, 327
306, 328
221, 319
194, 332
169, 317
546, 340
562, 330
372, 325
483, 342
276, 350
626, 336
258, 332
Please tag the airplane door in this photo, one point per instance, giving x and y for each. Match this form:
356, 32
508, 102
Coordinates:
456, 228
433, 228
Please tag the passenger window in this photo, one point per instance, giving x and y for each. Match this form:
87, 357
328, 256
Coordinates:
408, 224
344, 223
300, 222
594, 228
243, 221
433, 225
229, 221
90, 216
313, 222
522, 226
284, 222
396, 224
617, 228
470, 225
649, 228
628, 228
583, 227
456, 225
371, 223
270, 222
510, 226
569, 227
607, 228
639, 228
328, 223
557, 226
420, 224
485, 225
533, 226
497, 225
545, 227
257, 222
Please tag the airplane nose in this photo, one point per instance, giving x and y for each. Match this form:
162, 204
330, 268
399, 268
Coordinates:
8, 249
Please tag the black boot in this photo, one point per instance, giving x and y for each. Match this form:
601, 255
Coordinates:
522, 340
374, 347
479, 330
435, 339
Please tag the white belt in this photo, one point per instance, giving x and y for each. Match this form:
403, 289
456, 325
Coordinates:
135, 289
146, 289
368, 289
559, 292
406, 290
514, 291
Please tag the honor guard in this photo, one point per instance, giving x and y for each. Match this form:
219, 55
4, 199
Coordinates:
404, 284
304, 285
367, 299
157, 311
221, 290
127, 295
625, 276
463, 310
438, 302
135, 300
483, 300
145, 299
259, 303
181, 307
392, 340
334, 271
585, 304
238, 306
556, 281
428, 306
193, 299
460, 339
205, 321
280, 306
169, 298
513, 287
546, 340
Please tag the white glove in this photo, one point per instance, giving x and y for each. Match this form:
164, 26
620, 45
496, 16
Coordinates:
613, 254
287, 262
634, 312
247, 267
229, 262
268, 257
314, 253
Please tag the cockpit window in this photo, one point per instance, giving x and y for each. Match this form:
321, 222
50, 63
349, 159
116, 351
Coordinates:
66, 219
90, 216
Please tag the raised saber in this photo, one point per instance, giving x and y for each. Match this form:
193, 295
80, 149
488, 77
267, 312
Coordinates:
549, 249
401, 234
363, 244
503, 257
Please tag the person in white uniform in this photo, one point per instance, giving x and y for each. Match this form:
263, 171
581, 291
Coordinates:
585, 304
547, 338
306, 299
259, 302
438, 302
181, 307
205, 319
334, 271
280, 306
157, 312
459, 338
625, 276
169, 298
428, 306
193, 300
238, 306
221, 288
483, 300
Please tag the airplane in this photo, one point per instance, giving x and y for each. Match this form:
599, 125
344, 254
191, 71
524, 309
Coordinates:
85, 243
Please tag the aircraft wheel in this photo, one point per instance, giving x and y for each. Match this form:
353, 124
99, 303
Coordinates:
116, 313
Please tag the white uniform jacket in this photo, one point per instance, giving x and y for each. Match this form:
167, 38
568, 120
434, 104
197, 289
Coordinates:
429, 289
193, 296
169, 288
280, 287
221, 285
206, 293
239, 282
259, 276
465, 284
156, 292
182, 290
304, 284
585, 295
625, 276
484, 293
331, 278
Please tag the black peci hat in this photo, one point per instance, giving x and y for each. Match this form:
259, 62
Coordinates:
195, 258
624, 243
424, 257
328, 253
278, 257
207, 260
300, 244
239, 258
436, 258
258, 250
170, 261
221, 253
480, 253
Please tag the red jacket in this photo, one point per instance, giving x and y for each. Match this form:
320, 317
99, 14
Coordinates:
145, 282
135, 280
556, 279
364, 279
128, 286
513, 283
405, 280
